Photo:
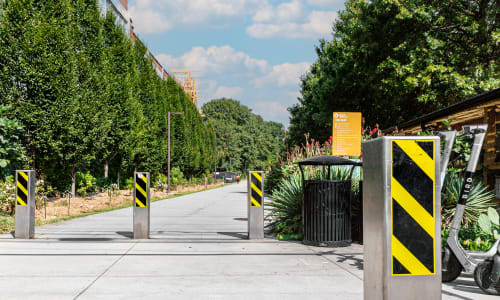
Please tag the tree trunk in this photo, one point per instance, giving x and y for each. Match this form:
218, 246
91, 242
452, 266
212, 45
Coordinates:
118, 177
73, 182
106, 168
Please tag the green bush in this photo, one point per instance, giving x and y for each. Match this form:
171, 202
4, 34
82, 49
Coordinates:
127, 183
176, 176
103, 182
481, 236
85, 183
478, 202
161, 182
285, 209
274, 177
8, 194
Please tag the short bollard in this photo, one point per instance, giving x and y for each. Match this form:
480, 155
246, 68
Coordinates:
401, 219
25, 204
141, 205
255, 205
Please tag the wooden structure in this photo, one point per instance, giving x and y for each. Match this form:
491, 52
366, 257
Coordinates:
482, 109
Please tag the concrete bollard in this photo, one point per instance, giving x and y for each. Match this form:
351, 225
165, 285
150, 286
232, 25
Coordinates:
401, 219
141, 205
255, 205
25, 204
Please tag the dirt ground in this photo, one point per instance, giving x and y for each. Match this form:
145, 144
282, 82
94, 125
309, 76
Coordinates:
62, 207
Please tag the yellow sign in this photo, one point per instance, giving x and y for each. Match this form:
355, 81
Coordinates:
346, 138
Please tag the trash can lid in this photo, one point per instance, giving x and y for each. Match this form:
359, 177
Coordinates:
329, 160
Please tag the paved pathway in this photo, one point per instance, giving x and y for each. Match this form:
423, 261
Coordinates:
198, 250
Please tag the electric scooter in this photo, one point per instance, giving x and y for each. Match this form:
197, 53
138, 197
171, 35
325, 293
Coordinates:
485, 265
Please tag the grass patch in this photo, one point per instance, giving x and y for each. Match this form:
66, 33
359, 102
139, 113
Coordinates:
7, 222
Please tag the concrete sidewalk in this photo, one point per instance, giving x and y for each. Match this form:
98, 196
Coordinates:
198, 250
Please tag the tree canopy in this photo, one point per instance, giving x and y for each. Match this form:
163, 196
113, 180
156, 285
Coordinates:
395, 60
86, 95
244, 140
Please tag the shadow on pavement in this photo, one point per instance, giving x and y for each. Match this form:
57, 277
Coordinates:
240, 219
85, 239
128, 234
465, 283
349, 258
239, 235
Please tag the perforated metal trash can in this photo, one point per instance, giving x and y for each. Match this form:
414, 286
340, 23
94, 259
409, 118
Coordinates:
326, 206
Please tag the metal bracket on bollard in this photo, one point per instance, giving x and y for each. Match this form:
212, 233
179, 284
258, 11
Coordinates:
141, 205
25, 204
401, 220
255, 205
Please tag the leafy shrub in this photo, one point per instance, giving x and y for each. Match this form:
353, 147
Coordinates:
489, 223
274, 177
479, 200
285, 208
103, 182
481, 236
176, 176
85, 183
161, 182
8, 194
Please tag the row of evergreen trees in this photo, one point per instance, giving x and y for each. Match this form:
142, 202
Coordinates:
87, 96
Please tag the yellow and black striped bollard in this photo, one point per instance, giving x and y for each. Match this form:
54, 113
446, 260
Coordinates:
255, 205
402, 222
141, 205
25, 204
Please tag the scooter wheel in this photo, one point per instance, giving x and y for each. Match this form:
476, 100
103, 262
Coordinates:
453, 268
482, 278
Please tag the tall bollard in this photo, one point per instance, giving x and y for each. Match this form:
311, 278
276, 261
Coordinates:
25, 204
141, 205
255, 205
401, 219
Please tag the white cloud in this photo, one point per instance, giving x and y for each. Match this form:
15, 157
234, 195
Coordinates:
283, 75
289, 20
228, 92
327, 3
319, 24
157, 16
215, 59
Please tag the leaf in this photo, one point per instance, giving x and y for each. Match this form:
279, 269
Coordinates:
484, 223
493, 215
3, 163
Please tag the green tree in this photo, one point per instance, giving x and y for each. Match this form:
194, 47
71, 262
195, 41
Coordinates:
244, 140
12, 153
394, 60
89, 98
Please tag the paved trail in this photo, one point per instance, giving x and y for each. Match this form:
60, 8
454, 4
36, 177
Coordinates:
198, 250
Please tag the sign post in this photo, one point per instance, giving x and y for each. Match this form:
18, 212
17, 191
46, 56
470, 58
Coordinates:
346, 136
255, 205
25, 204
141, 205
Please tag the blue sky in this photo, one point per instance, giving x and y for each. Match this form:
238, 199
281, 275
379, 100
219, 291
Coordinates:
253, 51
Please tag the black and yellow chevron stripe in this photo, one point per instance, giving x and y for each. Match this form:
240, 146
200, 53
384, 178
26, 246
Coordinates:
22, 189
413, 173
255, 189
141, 189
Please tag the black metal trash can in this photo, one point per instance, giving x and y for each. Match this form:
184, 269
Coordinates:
357, 214
326, 204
